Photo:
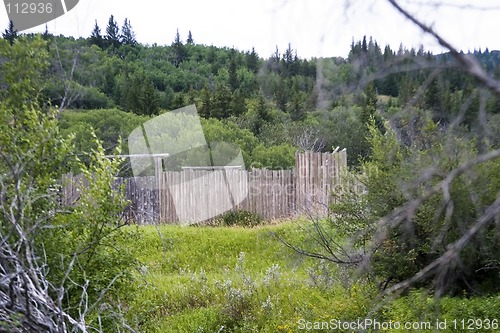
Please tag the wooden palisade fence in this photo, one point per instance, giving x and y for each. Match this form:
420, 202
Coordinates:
197, 194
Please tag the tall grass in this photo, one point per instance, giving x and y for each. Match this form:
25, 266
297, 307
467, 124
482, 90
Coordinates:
233, 279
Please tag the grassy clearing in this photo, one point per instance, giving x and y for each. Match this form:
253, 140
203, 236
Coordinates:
233, 279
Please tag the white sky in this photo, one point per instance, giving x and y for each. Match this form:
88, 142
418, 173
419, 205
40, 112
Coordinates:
314, 28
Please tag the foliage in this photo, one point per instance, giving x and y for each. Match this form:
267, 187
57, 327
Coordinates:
112, 33
91, 236
239, 218
228, 131
51, 256
417, 239
127, 36
96, 37
459, 313
345, 128
10, 33
274, 157
234, 279
109, 125
208, 276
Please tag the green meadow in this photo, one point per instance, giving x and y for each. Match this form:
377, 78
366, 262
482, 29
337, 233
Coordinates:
234, 279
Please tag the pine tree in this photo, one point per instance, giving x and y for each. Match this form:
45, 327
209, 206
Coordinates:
233, 77
47, 36
132, 95
150, 101
221, 105
369, 103
262, 108
276, 56
128, 36
295, 107
364, 46
177, 40
237, 105
10, 33
388, 54
112, 33
206, 103
96, 37
288, 61
288, 55
263, 114
190, 40
252, 61
280, 94
179, 52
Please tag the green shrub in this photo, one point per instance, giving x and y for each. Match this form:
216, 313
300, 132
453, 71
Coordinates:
242, 218
432, 219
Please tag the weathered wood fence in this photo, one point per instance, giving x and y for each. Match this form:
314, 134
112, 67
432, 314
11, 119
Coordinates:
194, 195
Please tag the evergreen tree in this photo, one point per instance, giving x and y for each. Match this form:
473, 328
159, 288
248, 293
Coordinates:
47, 36
233, 77
221, 106
288, 61
179, 52
296, 108
280, 94
10, 33
132, 94
252, 61
237, 106
296, 105
177, 40
141, 97
276, 56
128, 36
150, 101
112, 33
96, 37
190, 40
180, 100
263, 114
206, 103
369, 103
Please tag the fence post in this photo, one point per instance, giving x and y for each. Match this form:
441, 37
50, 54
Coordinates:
158, 184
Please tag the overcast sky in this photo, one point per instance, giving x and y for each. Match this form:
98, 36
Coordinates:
314, 28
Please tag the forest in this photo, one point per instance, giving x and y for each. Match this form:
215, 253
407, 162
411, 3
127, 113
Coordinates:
275, 104
421, 243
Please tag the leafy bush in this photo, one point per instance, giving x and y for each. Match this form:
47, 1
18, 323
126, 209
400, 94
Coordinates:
240, 218
89, 247
65, 267
442, 209
275, 157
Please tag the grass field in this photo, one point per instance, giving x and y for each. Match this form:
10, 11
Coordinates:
233, 279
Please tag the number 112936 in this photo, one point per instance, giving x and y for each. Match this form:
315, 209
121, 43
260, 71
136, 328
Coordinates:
29, 8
